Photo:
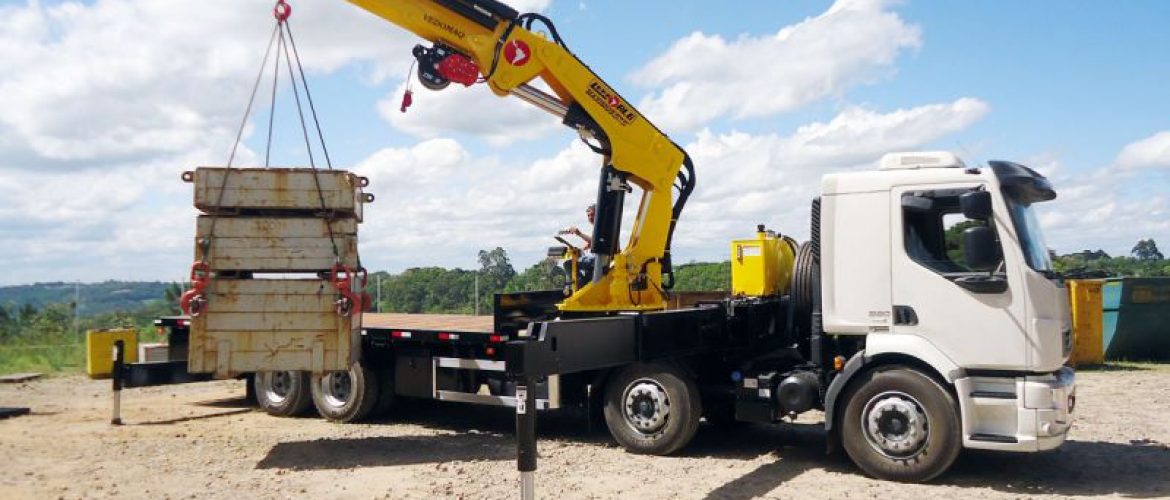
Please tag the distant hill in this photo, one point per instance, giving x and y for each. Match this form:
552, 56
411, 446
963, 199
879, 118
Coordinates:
95, 298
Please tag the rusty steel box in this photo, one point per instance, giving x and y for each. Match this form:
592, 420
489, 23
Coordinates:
251, 325
283, 189
275, 244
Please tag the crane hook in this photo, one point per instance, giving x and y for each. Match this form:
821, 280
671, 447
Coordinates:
282, 11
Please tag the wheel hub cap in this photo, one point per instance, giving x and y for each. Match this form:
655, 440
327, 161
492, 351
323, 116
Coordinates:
279, 386
646, 406
337, 387
895, 425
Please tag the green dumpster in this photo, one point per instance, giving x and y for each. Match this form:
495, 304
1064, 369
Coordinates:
1142, 330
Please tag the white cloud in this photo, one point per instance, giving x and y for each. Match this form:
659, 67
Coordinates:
1113, 206
708, 76
464, 203
121, 81
105, 102
470, 110
530, 5
127, 222
1100, 212
1151, 152
461, 202
745, 179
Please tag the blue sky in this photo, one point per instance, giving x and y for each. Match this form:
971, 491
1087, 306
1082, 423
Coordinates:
1058, 79
105, 102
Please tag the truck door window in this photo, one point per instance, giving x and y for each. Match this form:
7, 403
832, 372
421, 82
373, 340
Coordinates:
933, 228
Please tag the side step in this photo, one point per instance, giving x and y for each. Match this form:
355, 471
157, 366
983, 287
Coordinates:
485, 399
994, 438
437, 363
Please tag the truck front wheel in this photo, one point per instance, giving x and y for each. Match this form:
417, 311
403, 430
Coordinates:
901, 425
652, 409
346, 396
282, 393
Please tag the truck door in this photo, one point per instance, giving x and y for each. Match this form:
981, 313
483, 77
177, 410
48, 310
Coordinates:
975, 329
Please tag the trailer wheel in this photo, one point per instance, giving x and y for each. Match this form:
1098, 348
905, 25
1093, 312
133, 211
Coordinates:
652, 409
346, 396
901, 425
282, 393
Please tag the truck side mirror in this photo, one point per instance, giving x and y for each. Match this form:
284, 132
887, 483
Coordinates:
976, 205
980, 249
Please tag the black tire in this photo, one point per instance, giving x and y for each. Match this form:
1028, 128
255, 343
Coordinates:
901, 425
804, 276
347, 396
282, 394
669, 403
386, 396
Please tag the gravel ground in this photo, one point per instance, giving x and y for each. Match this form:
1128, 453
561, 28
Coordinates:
203, 440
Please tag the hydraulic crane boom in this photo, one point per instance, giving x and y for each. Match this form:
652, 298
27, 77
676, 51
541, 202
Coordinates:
486, 41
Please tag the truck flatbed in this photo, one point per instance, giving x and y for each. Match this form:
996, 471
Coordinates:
456, 322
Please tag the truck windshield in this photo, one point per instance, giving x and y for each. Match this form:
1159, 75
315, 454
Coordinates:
1031, 238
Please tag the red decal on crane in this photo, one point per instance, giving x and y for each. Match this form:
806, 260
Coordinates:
517, 53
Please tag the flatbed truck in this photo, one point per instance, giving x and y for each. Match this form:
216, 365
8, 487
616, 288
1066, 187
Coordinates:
922, 316
911, 352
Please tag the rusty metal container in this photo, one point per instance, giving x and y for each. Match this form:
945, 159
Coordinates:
252, 325
251, 190
275, 244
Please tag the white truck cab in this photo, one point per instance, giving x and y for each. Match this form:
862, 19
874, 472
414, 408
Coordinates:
943, 266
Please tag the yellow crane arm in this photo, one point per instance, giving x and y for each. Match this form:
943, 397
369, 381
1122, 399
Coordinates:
486, 41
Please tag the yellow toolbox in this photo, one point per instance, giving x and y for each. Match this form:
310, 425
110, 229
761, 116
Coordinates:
99, 350
761, 266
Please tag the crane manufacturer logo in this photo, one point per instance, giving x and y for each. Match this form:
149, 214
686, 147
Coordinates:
445, 26
613, 104
517, 53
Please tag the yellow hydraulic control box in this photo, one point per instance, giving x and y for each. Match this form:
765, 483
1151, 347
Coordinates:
1087, 322
761, 266
99, 350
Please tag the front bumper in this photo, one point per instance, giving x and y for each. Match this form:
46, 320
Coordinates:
1023, 413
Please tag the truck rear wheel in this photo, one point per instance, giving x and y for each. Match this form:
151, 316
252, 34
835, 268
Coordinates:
282, 393
652, 409
901, 425
346, 396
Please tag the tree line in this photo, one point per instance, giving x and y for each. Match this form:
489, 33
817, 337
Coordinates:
1143, 261
51, 337
442, 290
31, 334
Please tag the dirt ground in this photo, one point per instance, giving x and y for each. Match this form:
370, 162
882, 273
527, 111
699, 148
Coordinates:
203, 441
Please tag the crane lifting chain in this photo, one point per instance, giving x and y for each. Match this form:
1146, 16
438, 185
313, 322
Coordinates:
194, 301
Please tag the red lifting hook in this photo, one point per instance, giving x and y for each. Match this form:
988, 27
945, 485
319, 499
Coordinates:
282, 11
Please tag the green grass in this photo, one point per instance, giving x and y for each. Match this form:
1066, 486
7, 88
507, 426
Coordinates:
43, 359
